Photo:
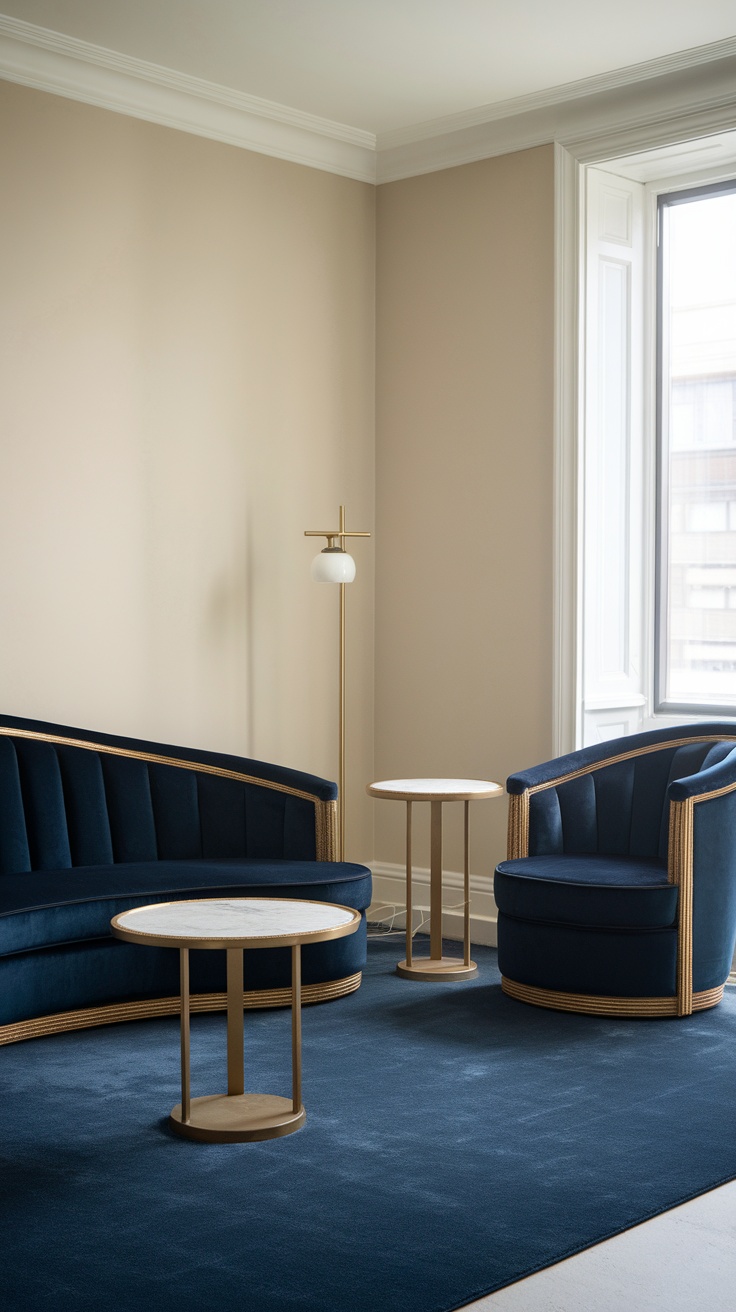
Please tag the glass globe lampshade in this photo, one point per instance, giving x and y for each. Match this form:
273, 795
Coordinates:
333, 565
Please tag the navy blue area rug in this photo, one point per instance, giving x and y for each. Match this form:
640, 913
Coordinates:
456, 1140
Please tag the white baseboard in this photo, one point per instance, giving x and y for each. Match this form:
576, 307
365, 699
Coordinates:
389, 902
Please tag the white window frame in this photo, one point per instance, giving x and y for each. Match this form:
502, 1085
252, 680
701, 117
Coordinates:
570, 420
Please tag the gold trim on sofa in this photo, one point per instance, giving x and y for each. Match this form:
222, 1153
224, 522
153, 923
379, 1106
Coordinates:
325, 813
679, 872
325, 819
116, 1012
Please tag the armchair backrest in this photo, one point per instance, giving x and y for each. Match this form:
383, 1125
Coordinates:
68, 798
618, 809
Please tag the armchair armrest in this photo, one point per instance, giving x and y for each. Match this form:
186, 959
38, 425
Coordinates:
704, 783
701, 860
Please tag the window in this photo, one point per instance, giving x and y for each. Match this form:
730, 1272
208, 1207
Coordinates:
655, 595
695, 631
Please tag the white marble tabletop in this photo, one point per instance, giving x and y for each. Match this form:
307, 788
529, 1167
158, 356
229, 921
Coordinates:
435, 790
237, 920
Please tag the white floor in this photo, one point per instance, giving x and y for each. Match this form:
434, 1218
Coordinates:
682, 1261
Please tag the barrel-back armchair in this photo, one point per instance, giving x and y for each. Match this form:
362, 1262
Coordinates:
618, 896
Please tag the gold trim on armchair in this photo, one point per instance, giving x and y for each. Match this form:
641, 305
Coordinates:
680, 872
628, 756
593, 1004
518, 832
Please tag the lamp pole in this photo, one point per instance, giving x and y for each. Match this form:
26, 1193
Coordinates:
334, 565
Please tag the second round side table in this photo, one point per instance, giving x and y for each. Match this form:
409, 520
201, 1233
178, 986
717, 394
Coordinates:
436, 791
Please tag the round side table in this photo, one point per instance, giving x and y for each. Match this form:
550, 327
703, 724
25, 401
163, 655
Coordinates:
436, 791
235, 924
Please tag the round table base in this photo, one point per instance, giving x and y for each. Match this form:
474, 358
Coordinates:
238, 1118
437, 969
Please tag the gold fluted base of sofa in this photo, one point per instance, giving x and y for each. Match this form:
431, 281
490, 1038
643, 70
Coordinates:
593, 1005
147, 1007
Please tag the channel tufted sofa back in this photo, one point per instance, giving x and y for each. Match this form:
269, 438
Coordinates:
70, 802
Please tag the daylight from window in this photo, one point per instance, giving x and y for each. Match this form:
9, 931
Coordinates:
697, 635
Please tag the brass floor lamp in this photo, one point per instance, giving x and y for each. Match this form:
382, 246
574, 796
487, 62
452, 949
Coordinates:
333, 564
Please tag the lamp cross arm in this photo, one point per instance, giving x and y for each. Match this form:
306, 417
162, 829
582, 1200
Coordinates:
333, 533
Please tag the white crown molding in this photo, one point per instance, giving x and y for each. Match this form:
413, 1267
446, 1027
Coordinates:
684, 95
690, 101
696, 57
64, 66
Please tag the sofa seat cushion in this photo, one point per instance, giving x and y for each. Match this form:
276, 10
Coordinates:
590, 890
45, 908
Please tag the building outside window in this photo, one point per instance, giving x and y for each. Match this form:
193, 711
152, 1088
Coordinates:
696, 612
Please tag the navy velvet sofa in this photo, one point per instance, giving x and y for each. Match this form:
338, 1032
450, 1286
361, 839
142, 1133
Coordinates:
92, 824
618, 896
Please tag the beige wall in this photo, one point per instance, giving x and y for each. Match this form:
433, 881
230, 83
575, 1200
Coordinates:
465, 313
186, 384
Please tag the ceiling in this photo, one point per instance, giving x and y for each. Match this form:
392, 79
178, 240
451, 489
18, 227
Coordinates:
384, 65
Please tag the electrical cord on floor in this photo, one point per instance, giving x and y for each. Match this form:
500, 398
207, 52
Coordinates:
374, 930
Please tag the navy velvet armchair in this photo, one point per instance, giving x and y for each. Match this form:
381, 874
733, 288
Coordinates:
92, 824
618, 896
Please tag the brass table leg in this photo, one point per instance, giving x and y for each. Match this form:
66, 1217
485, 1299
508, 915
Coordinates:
296, 1029
435, 966
408, 885
185, 1067
435, 883
235, 1042
236, 1116
466, 888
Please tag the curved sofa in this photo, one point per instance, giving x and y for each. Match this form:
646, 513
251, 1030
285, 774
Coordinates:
92, 824
619, 894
